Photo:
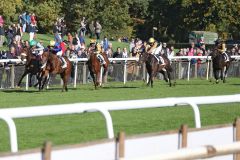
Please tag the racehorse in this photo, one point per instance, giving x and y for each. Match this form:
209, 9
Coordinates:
94, 67
32, 65
219, 64
54, 66
153, 67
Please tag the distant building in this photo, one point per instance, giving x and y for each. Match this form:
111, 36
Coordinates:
203, 37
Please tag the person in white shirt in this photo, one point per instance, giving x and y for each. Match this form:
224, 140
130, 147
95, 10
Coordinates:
124, 53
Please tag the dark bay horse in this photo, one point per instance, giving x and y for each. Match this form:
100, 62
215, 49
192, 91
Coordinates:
94, 67
220, 66
54, 66
32, 65
153, 67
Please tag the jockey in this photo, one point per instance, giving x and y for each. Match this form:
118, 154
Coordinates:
57, 49
92, 45
36, 48
153, 49
223, 50
98, 51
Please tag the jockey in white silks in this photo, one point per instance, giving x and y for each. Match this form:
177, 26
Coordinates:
98, 51
223, 51
156, 51
36, 47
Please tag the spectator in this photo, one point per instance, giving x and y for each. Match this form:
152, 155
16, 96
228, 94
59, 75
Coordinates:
203, 49
23, 21
105, 43
33, 19
98, 29
14, 30
9, 35
132, 45
83, 27
109, 51
28, 21
13, 50
171, 52
118, 53
70, 38
18, 33
125, 53
192, 52
82, 52
91, 29
1, 31
165, 50
82, 40
32, 31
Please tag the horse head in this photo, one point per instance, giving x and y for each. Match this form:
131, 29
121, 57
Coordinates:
25, 55
143, 57
45, 57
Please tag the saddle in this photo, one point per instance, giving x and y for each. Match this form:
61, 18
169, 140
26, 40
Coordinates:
100, 59
159, 59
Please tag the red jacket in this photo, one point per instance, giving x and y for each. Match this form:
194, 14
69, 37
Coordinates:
63, 46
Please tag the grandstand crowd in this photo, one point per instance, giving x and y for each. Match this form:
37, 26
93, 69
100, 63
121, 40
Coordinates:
74, 43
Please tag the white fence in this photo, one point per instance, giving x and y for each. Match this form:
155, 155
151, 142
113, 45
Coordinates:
104, 107
204, 142
125, 62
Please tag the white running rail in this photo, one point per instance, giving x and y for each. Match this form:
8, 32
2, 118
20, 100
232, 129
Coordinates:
125, 60
104, 107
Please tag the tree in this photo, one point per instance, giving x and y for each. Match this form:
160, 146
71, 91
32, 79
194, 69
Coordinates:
10, 10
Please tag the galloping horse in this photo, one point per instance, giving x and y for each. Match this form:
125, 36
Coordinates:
32, 65
54, 66
219, 64
94, 67
153, 67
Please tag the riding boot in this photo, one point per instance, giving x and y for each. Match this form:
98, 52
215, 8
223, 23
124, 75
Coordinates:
44, 65
63, 62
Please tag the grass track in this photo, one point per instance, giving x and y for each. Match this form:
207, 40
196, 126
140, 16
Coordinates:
72, 129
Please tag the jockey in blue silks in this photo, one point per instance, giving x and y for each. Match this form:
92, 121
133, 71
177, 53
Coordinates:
57, 49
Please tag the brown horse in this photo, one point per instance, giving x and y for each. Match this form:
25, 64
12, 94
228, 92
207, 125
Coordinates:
32, 65
219, 65
54, 66
94, 67
153, 67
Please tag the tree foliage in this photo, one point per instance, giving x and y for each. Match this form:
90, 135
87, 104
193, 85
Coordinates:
173, 18
10, 9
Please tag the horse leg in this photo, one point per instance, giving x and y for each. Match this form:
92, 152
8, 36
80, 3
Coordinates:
94, 79
216, 75
149, 77
30, 80
20, 81
104, 74
37, 76
169, 78
225, 73
65, 76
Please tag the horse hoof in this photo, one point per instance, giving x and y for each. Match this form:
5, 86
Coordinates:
224, 81
217, 81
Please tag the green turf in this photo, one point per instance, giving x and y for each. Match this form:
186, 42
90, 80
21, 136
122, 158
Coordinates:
72, 129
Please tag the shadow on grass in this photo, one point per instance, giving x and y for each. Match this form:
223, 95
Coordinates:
19, 91
117, 87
